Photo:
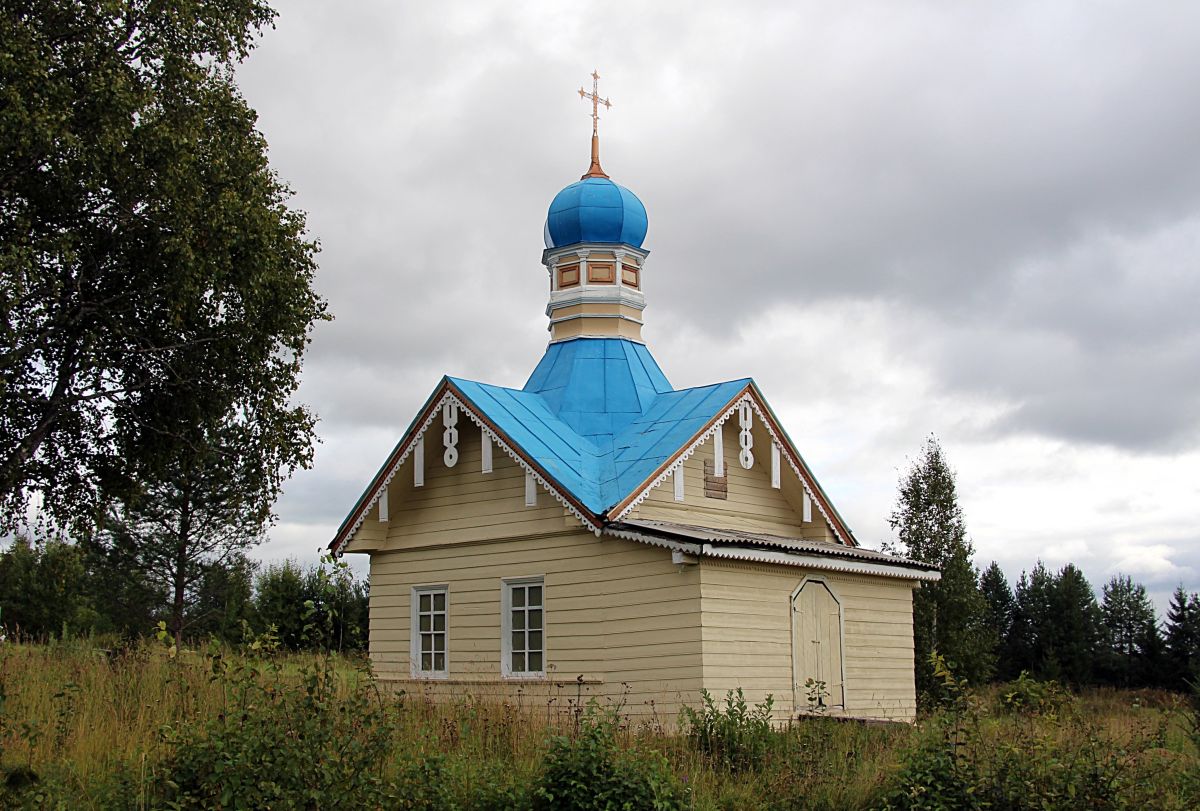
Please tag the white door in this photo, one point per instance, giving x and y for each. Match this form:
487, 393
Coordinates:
817, 646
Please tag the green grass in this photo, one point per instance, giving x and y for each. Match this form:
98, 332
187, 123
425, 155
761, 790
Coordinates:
94, 728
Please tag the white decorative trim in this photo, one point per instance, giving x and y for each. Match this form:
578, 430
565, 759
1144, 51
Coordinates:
719, 451
450, 435
801, 559
745, 438
700, 440
775, 482
595, 293
678, 477
485, 452
530, 490
419, 462
577, 316
416, 445
807, 508
383, 506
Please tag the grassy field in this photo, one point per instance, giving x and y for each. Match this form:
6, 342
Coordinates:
86, 727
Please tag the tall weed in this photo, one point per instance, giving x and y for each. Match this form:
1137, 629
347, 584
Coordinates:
590, 772
735, 737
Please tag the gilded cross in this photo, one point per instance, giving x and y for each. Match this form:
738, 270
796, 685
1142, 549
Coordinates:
594, 96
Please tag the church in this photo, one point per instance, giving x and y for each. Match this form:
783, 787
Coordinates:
599, 532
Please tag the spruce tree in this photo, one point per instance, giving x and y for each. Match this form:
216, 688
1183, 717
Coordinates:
1128, 624
1001, 611
949, 616
1183, 639
1031, 637
1075, 625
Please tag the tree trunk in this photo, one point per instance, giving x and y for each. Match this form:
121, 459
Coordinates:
11, 476
181, 564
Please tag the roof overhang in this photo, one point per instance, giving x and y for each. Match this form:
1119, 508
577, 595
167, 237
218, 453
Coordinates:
751, 396
771, 549
448, 393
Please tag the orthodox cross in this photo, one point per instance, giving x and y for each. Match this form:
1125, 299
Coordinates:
594, 96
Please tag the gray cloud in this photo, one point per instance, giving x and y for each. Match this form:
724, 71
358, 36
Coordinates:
981, 221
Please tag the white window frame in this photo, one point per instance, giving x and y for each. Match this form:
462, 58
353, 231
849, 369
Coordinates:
506, 608
415, 632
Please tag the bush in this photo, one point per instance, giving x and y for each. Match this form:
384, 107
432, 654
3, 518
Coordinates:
939, 774
278, 746
589, 772
1028, 696
734, 738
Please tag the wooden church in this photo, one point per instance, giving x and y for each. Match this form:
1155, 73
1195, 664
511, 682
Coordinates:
599, 530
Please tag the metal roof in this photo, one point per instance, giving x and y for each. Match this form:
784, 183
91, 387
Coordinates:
741, 545
598, 421
595, 209
599, 415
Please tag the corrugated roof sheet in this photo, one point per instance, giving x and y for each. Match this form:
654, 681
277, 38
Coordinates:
690, 533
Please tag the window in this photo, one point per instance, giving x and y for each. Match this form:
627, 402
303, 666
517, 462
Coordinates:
524, 645
429, 616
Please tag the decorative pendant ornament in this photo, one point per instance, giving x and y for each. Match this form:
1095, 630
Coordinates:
745, 438
450, 435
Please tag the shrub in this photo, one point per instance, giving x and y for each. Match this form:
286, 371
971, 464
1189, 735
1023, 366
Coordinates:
939, 773
734, 738
279, 746
1028, 696
589, 772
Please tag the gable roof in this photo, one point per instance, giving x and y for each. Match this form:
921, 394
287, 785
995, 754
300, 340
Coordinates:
598, 425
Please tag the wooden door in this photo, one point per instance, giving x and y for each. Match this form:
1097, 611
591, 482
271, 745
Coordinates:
817, 645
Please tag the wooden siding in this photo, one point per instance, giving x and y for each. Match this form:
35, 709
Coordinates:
459, 504
751, 502
747, 637
620, 617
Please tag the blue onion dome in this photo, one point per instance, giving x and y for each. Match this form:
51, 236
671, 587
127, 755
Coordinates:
595, 210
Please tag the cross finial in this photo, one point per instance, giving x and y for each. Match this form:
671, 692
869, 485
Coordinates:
594, 170
594, 96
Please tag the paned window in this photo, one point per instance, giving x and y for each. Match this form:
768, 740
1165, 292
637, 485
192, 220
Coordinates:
524, 630
429, 634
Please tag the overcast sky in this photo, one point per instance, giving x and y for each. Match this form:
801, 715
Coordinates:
975, 220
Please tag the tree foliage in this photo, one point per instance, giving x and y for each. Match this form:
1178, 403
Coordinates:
43, 588
1183, 638
54, 588
1130, 630
155, 285
949, 616
1001, 611
211, 503
1056, 632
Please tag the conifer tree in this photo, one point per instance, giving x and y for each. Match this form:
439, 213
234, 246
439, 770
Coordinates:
1129, 627
1075, 625
949, 616
1001, 611
1030, 637
1183, 638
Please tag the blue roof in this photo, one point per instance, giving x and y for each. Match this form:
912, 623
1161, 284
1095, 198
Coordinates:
599, 416
595, 210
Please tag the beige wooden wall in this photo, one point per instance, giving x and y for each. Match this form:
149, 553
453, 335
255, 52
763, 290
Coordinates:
752, 504
459, 504
617, 613
747, 637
